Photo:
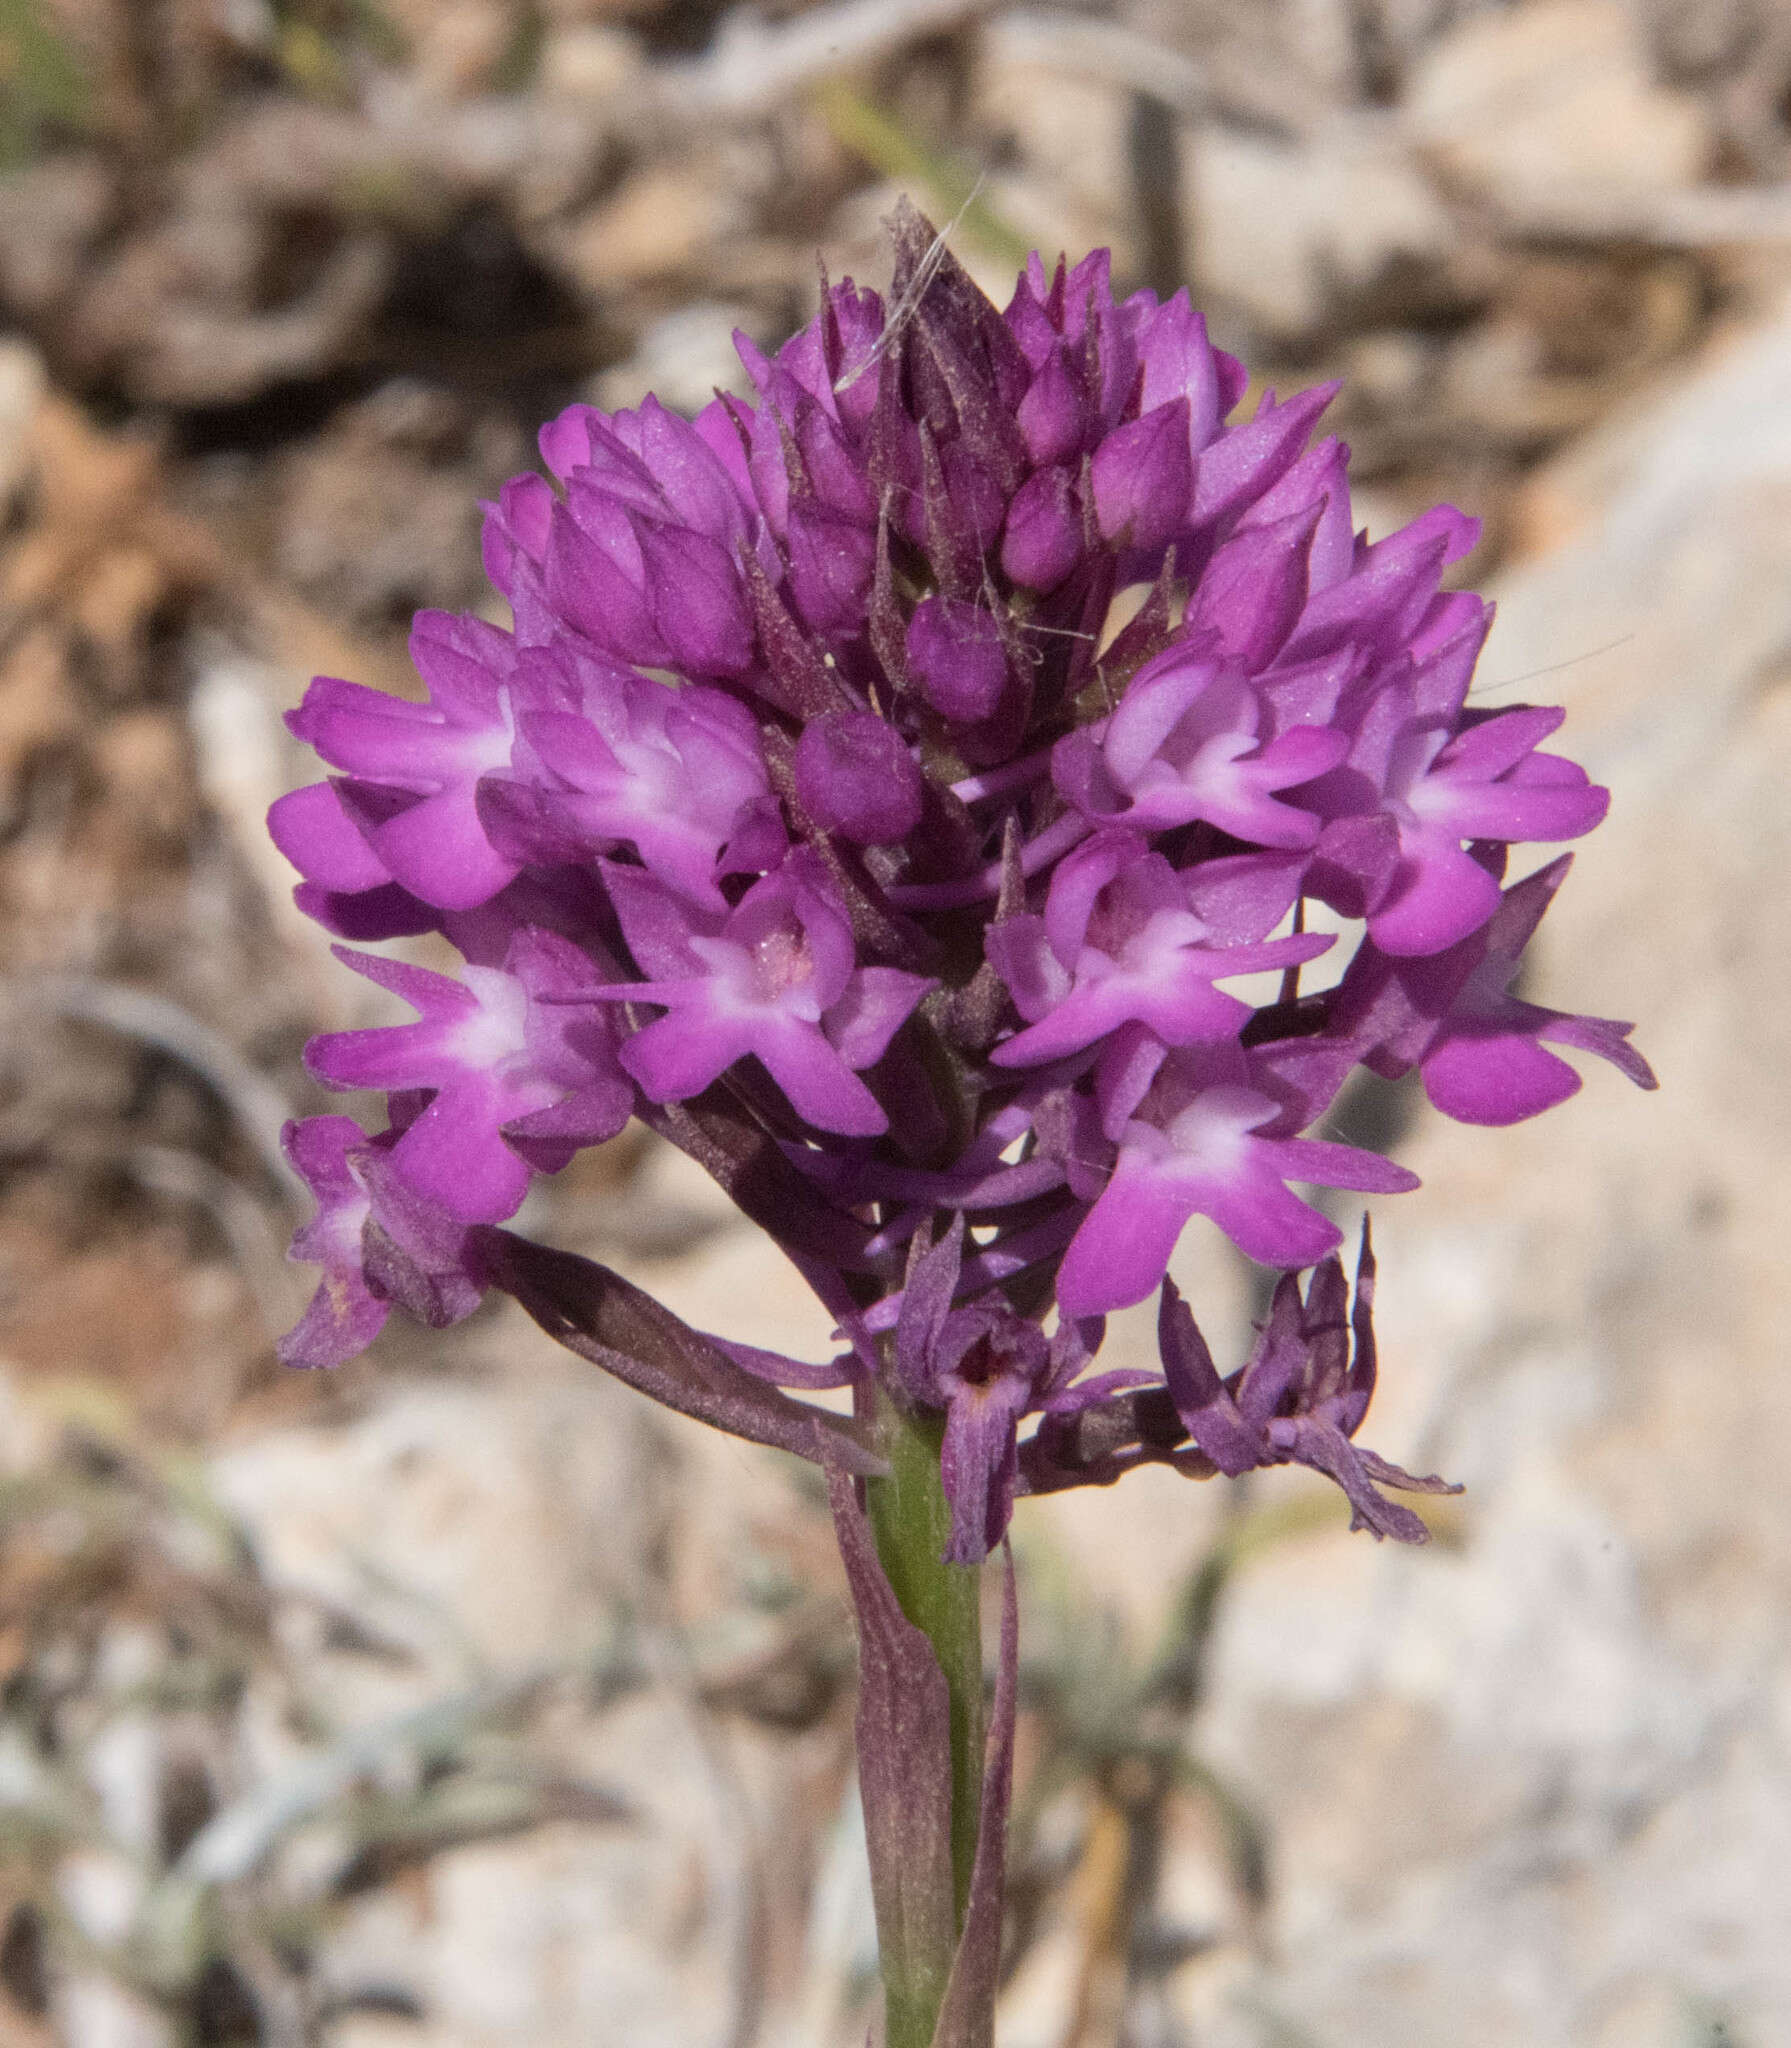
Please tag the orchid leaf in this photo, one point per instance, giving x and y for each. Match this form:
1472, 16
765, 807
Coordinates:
905, 1780
604, 1318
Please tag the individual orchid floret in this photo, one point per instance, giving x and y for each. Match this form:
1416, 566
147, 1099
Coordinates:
1056, 415
345, 886
432, 754
987, 1368
1317, 483
1436, 777
513, 539
661, 465
1302, 1395
344, 1315
957, 659
1192, 1138
776, 978
856, 776
1247, 460
642, 590
1188, 742
379, 1242
1487, 782
1119, 943
1178, 360
521, 1062
619, 760
1140, 480
320, 839
1388, 599
1252, 592
1479, 1049
831, 560
1043, 536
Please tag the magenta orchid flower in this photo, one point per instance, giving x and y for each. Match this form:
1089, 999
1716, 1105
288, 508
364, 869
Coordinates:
814, 809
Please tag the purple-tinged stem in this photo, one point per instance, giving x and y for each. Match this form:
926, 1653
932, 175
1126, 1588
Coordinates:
911, 1521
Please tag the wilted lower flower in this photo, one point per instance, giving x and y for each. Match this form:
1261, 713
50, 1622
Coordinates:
1301, 1395
881, 791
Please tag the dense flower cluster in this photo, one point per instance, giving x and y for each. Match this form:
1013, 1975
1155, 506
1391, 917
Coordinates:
882, 791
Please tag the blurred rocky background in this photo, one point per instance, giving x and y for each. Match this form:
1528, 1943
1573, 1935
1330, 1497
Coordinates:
460, 1701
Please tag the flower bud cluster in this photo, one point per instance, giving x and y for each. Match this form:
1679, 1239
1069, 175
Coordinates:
890, 789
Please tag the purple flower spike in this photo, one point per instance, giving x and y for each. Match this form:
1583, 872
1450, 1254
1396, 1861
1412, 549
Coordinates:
1301, 1396
345, 1315
775, 977
830, 692
514, 1072
1119, 943
1189, 1146
1187, 743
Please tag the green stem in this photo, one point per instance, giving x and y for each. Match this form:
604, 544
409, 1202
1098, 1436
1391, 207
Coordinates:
911, 1520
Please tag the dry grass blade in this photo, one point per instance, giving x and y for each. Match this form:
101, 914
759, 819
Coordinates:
1091, 46
751, 67
258, 1104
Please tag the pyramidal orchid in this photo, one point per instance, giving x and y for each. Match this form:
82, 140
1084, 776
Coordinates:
885, 790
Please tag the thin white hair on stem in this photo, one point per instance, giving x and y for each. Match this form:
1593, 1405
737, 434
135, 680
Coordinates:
1553, 668
1059, 632
908, 303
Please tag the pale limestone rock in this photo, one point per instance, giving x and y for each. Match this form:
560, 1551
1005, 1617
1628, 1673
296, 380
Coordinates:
1072, 188
657, 226
589, 61
1524, 100
682, 359
483, 1519
1533, 1788
491, 1528
1281, 229
21, 388
97, 2012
